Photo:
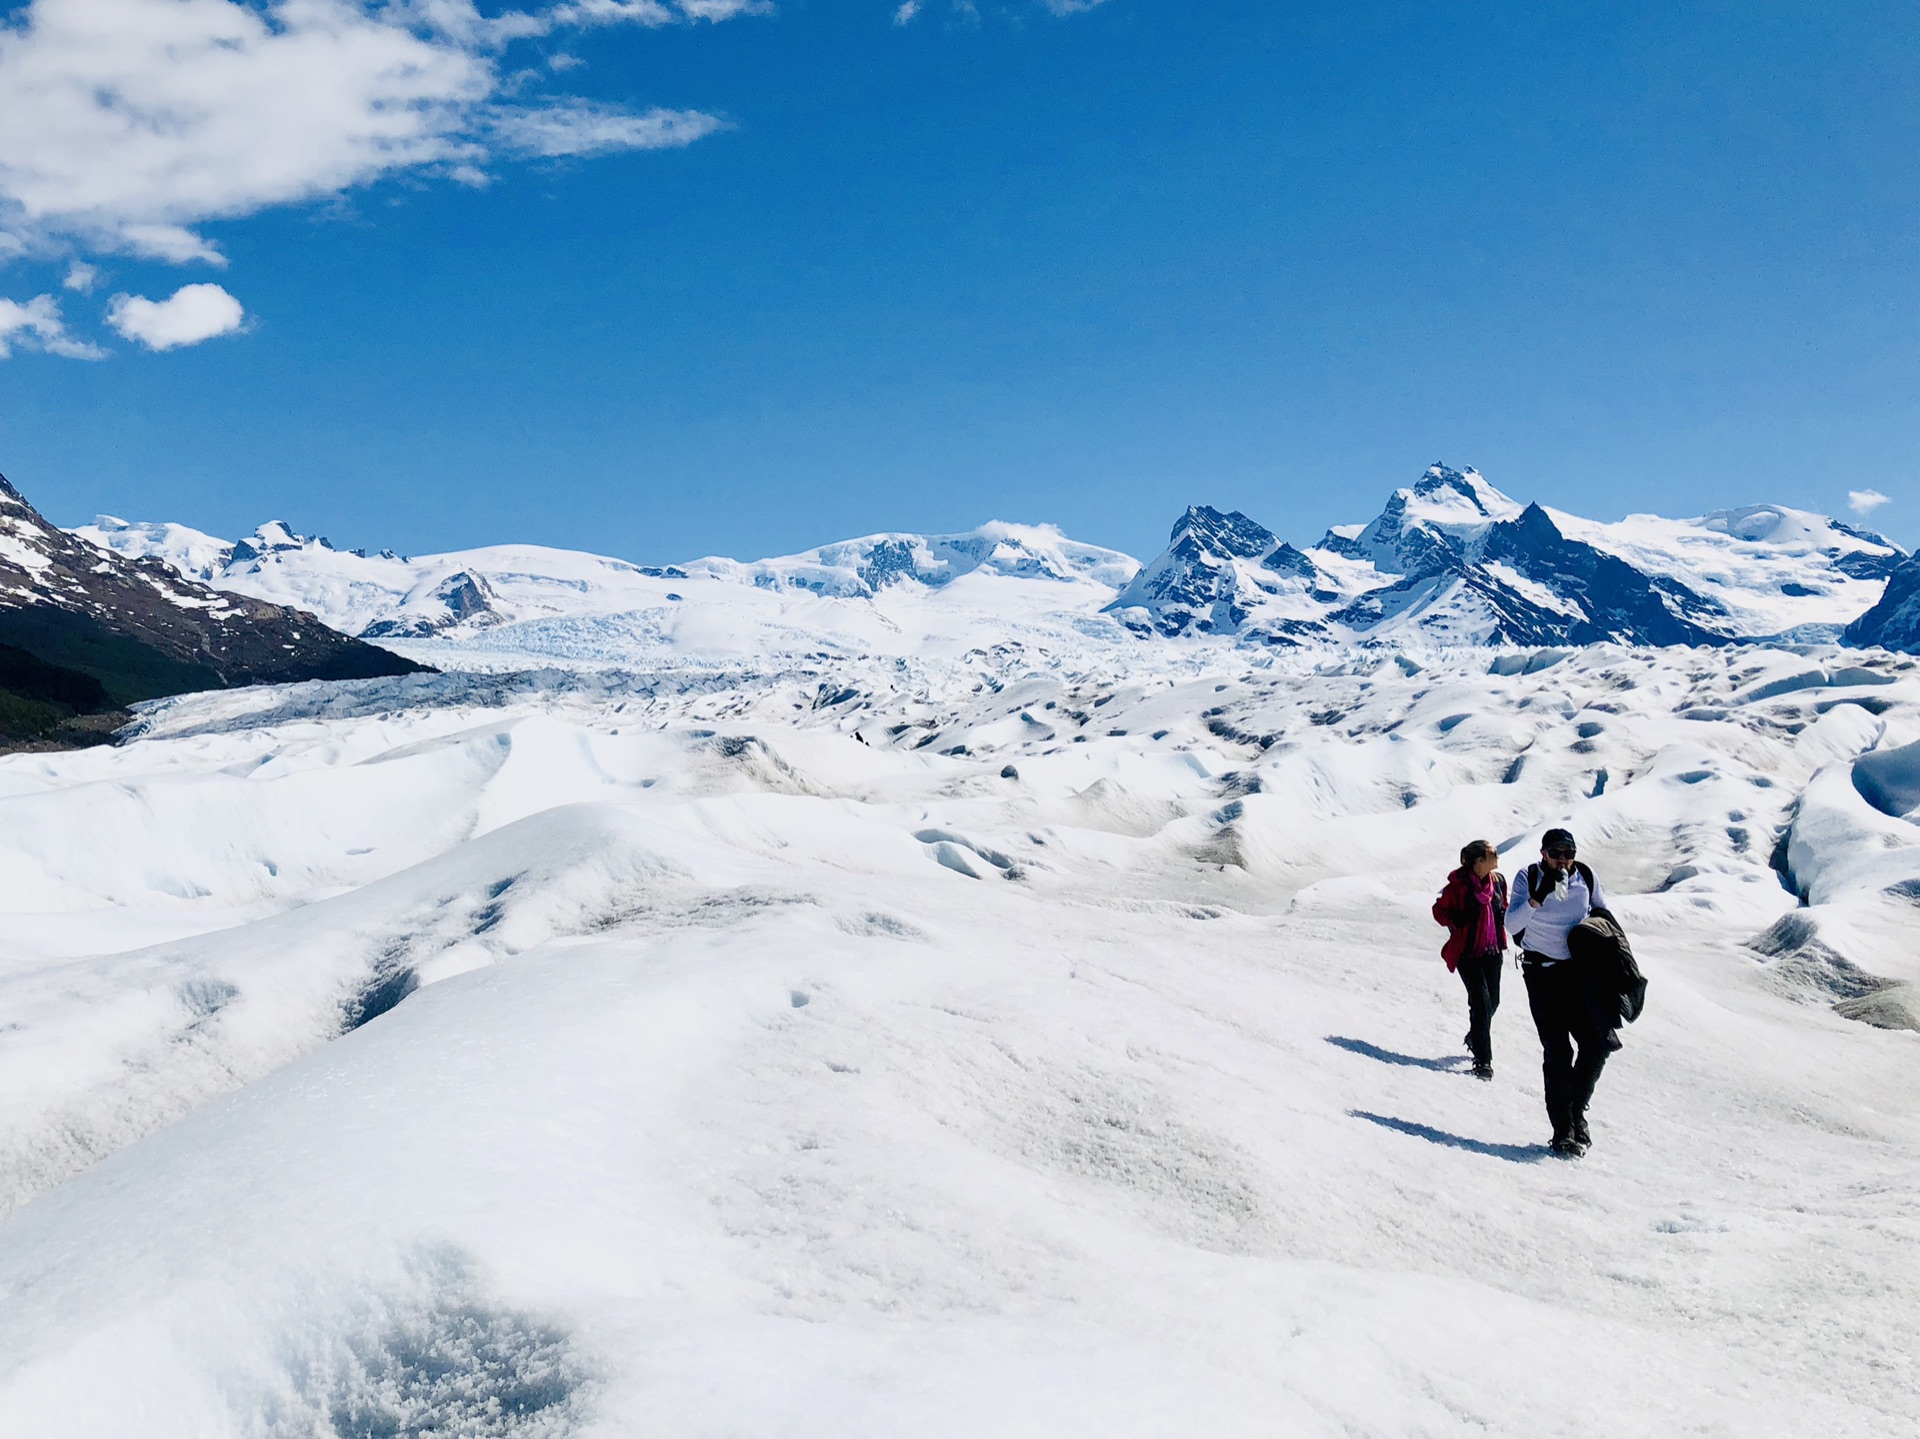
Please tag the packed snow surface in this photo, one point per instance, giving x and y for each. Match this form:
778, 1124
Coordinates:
1030, 1036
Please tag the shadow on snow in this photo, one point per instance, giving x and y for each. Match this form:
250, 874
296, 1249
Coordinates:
1450, 1065
1512, 1153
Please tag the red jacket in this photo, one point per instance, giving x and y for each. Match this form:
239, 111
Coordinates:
1458, 910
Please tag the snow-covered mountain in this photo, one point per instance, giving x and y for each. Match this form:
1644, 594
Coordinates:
136, 628
1453, 560
1450, 560
390, 596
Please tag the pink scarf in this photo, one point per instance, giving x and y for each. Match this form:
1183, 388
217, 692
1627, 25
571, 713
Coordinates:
1486, 935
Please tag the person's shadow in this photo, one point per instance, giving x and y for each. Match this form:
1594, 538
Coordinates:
1450, 1065
1512, 1153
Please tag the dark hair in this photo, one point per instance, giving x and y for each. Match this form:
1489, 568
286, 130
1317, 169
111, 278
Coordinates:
1557, 836
1475, 852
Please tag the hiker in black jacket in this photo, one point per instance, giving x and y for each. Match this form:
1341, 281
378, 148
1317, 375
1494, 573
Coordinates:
1549, 899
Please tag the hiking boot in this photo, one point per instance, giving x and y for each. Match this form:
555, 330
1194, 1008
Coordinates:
1580, 1135
1483, 1071
1564, 1146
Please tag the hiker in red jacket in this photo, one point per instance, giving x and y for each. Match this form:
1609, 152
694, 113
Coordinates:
1473, 907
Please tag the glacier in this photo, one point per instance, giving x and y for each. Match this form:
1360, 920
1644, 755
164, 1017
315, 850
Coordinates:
899, 989
1020, 1038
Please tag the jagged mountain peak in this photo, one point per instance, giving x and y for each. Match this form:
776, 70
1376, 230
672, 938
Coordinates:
1431, 527
1231, 533
1444, 494
1534, 520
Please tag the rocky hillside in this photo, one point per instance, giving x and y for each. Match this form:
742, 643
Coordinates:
84, 630
1895, 621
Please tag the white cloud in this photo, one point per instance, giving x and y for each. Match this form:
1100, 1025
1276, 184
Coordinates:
1071, 7
81, 276
653, 12
904, 15
718, 10
36, 325
126, 123
581, 127
1865, 502
191, 314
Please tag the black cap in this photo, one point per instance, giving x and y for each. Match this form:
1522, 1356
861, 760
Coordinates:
1557, 837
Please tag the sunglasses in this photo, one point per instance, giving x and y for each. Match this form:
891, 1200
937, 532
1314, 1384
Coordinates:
1560, 852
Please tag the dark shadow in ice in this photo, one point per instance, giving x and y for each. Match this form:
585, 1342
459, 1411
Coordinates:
1512, 1153
1889, 780
1451, 1064
388, 984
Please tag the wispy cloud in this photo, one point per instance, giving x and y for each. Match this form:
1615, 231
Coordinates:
191, 314
904, 15
36, 325
1865, 502
126, 124
81, 276
1071, 7
581, 127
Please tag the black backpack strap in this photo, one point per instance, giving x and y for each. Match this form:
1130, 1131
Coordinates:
1532, 875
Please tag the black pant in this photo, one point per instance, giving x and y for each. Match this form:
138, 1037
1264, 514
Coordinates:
1481, 976
1561, 1015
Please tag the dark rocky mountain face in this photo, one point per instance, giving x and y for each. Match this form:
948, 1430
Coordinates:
82, 628
1203, 530
1894, 622
460, 597
1453, 598
1616, 601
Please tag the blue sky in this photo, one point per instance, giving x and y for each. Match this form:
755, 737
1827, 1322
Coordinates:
743, 279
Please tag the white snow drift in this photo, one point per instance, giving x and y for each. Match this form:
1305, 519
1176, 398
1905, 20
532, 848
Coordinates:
1017, 1038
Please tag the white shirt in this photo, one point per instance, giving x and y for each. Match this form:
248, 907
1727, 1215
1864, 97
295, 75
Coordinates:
1543, 931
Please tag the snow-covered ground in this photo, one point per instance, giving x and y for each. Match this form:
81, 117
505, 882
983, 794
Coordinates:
1026, 1035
